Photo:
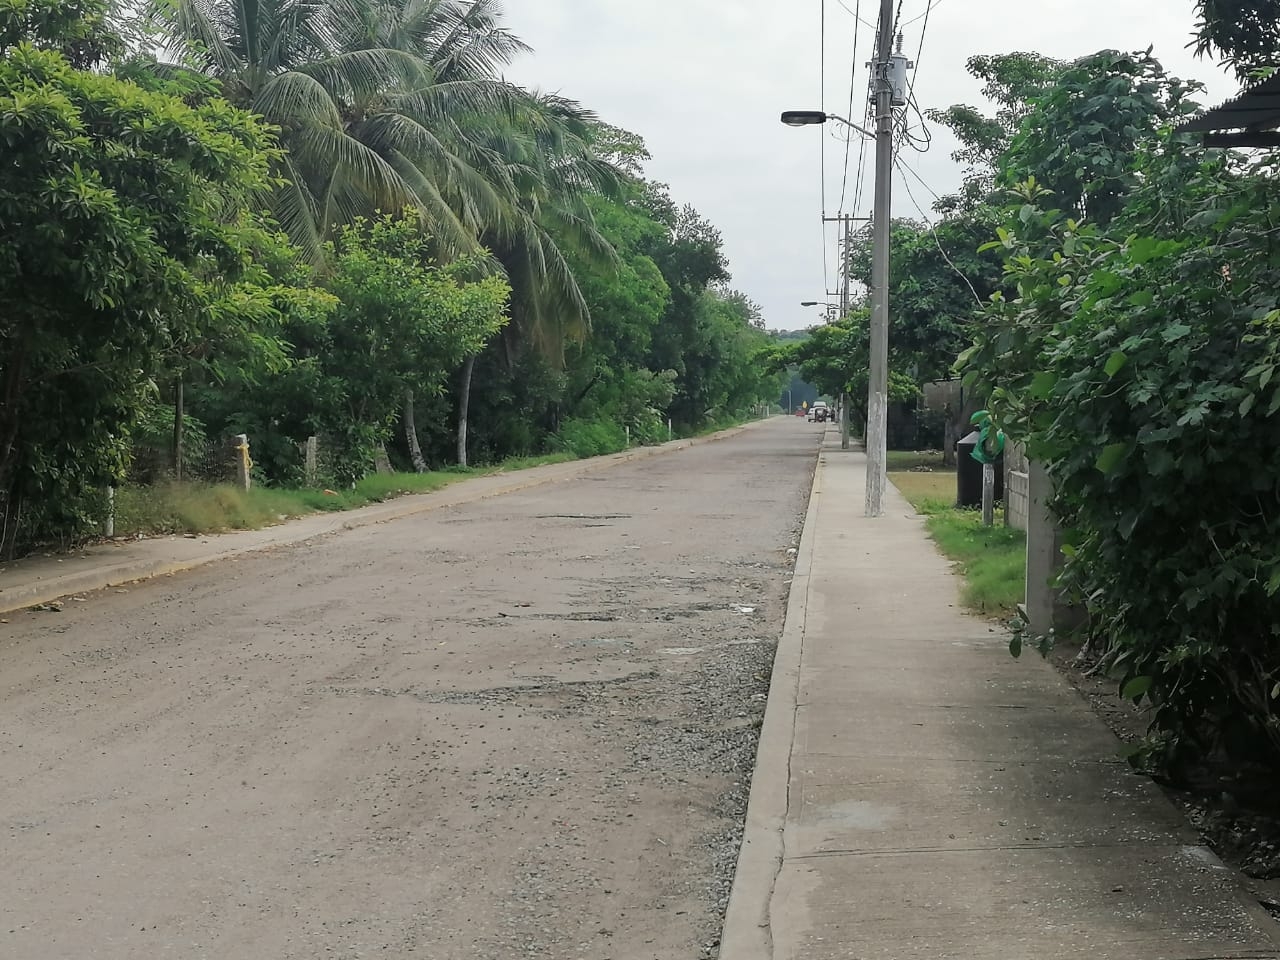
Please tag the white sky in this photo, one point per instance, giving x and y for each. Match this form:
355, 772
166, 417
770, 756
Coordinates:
703, 81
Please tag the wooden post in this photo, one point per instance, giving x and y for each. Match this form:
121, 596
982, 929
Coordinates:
109, 523
243, 463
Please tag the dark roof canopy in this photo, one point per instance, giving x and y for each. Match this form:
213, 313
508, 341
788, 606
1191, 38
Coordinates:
1255, 113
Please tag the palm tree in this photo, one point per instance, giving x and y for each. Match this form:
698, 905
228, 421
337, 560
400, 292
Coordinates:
360, 122
398, 104
536, 151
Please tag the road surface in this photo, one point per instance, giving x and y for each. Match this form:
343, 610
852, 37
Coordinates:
517, 728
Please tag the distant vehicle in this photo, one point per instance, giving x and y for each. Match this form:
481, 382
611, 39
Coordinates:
820, 412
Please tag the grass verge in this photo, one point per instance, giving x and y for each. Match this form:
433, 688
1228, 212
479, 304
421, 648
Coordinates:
181, 508
191, 508
991, 559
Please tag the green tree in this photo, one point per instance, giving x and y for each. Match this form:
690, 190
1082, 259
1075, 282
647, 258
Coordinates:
1013, 82
1135, 354
939, 281
400, 326
1242, 34
129, 221
1080, 139
366, 127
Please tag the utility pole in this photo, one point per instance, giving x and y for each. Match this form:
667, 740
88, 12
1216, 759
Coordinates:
844, 312
846, 285
890, 81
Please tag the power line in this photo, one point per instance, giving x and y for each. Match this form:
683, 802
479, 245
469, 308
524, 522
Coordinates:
822, 146
853, 80
926, 141
856, 15
923, 16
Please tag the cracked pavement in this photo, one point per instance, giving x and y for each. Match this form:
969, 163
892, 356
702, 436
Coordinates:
518, 727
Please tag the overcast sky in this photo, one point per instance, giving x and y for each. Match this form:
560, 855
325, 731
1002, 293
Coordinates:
703, 82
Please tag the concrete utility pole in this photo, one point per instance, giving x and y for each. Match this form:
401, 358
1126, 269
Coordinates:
878, 375
844, 312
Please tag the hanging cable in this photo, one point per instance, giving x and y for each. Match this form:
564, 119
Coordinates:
853, 81
903, 168
822, 145
920, 144
922, 16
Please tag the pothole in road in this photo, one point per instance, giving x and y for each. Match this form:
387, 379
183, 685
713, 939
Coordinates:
582, 516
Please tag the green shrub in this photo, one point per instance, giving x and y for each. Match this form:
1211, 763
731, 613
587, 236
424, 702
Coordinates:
589, 438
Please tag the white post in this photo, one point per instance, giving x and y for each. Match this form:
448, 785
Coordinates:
627, 429
109, 524
988, 494
669, 433
309, 468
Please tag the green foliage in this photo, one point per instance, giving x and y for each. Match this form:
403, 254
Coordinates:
397, 322
1243, 34
1080, 137
1013, 81
1139, 366
836, 357
589, 438
939, 279
120, 206
138, 261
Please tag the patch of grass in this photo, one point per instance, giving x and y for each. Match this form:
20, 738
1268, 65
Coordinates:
938, 489
912, 459
524, 463
991, 559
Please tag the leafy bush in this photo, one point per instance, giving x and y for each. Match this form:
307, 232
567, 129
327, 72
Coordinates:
1141, 369
589, 438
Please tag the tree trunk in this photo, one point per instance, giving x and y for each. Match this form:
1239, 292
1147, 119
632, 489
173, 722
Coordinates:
464, 402
10, 517
177, 430
381, 461
411, 433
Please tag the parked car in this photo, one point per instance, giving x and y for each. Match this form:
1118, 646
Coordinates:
820, 412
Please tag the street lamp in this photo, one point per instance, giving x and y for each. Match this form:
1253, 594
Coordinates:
813, 118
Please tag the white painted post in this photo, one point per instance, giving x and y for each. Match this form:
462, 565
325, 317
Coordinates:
109, 524
309, 468
627, 429
988, 494
669, 433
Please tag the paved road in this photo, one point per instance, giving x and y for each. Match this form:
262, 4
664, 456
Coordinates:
520, 727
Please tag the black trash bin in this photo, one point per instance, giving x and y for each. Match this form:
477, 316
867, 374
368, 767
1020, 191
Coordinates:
969, 474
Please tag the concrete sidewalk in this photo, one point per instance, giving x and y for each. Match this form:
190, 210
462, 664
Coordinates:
920, 795
39, 579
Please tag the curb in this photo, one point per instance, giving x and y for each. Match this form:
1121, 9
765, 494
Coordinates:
747, 932
22, 596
